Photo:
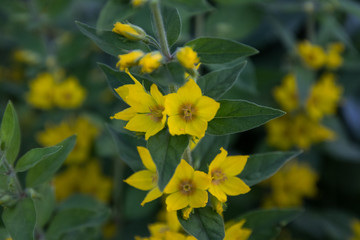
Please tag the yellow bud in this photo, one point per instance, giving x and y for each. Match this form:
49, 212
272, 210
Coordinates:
128, 60
150, 62
138, 3
187, 57
129, 31
186, 212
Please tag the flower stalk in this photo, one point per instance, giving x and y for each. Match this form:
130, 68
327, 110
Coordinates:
11, 173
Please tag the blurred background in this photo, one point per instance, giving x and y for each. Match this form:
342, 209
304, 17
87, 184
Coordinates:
308, 66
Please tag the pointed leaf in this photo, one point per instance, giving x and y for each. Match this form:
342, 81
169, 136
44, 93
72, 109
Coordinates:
110, 42
166, 151
217, 83
44, 204
240, 115
20, 220
263, 165
10, 133
45, 169
172, 24
204, 224
34, 156
218, 50
113, 11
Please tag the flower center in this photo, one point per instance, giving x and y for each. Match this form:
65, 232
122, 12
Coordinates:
186, 187
218, 176
187, 112
154, 179
156, 113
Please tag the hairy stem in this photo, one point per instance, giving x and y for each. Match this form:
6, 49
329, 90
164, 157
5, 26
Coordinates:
12, 174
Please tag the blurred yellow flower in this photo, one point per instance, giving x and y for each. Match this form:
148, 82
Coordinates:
237, 232
69, 93
324, 97
83, 128
189, 111
290, 185
146, 111
42, 91
312, 55
160, 231
186, 188
129, 59
137, 3
146, 180
86, 179
150, 62
223, 171
26, 56
334, 59
355, 226
287, 94
130, 31
187, 57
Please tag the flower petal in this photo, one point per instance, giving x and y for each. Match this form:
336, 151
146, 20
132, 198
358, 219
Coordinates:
176, 125
126, 114
156, 94
172, 104
190, 92
142, 123
146, 158
196, 127
152, 195
234, 186
183, 172
141, 101
154, 129
142, 180
233, 165
207, 108
218, 160
216, 191
198, 199
176, 201
201, 180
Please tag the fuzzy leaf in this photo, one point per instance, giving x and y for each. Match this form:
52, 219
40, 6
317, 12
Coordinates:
172, 23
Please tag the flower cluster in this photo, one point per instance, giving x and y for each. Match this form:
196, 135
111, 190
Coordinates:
188, 188
82, 127
294, 182
46, 93
302, 126
315, 57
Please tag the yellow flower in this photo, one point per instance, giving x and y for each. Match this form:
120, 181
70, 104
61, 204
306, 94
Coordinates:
137, 3
313, 56
146, 179
286, 94
42, 91
150, 62
69, 93
237, 232
291, 185
187, 57
223, 171
189, 111
146, 111
324, 97
279, 131
26, 56
129, 59
129, 31
83, 128
86, 179
186, 188
334, 59
355, 226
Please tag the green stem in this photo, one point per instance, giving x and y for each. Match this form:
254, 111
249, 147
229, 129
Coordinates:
187, 155
12, 174
199, 25
159, 24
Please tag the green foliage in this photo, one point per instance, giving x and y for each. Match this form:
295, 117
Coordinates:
172, 24
240, 115
204, 224
114, 10
44, 202
190, 6
261, 166
20, 219
166, 151
10, 133
218, 50
45, 169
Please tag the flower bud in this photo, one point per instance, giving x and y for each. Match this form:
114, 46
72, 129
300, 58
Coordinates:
129, 31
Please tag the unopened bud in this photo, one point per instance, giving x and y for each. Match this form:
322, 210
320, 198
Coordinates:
130, 31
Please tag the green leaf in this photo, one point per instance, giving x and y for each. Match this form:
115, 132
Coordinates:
350, 6
204, 224
132, 210
113, 11
34, 156
240, 115
20, 220
193, 7
10, 133
44, 204
169, 73
266, 224
218, 50
206, 150
166, 151
45, 169
109, 42
172, 23
263, 165
75, 213
126, 148
217, 83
